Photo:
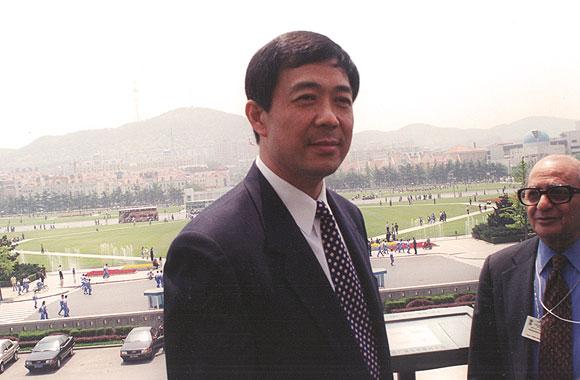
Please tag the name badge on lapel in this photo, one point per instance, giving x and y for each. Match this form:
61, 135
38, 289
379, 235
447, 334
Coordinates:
532, 329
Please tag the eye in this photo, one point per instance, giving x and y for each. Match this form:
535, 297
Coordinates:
305, 98
344, 101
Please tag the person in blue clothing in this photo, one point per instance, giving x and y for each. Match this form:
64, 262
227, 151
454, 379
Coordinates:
66, 309
62, 305
42, 310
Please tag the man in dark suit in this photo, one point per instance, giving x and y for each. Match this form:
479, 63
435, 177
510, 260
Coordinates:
514, 322
253, 287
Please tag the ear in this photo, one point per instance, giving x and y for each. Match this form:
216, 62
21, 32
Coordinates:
255, 114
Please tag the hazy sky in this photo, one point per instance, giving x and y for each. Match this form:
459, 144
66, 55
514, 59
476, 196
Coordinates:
73, 65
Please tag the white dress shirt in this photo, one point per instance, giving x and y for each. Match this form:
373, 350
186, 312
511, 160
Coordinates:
303, 210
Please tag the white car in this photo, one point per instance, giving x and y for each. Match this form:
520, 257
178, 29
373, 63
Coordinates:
8, 352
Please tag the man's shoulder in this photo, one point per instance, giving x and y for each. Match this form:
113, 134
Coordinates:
515, 253
341, 201
236, 206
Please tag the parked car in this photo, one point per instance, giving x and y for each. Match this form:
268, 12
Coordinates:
142, 343
50, 351
8, 352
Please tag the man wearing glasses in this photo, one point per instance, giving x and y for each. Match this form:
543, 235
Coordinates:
526, 322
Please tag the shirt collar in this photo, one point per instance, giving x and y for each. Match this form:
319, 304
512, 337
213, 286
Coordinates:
301, 206
545, 253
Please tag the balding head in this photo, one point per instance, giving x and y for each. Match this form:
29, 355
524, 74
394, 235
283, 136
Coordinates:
558, 162
558, 225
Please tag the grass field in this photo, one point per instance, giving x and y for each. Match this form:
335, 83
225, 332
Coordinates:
127, 239
407, 216
484, 190
73, 216
118, 239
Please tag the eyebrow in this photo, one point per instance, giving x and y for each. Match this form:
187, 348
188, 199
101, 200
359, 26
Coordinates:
314, 85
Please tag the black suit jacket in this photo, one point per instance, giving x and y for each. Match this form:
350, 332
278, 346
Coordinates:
504, 300
245, 296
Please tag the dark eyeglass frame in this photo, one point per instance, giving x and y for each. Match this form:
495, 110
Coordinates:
571, 192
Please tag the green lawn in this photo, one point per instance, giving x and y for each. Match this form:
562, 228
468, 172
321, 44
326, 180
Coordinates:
74, 216
127, 239
485, 190
407, 216
118, 239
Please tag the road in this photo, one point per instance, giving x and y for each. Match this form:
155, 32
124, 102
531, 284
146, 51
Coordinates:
94, 364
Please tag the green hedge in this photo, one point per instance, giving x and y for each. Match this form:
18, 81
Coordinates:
442, 299
36, 335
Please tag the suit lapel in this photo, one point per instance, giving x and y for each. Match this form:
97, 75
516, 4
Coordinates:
303, 272
517, 285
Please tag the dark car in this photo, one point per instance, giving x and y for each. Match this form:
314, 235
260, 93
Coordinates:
50, 351
8, 352
142, 343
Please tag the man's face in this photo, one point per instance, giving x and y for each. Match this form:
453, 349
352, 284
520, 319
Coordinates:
557, 224
308, 130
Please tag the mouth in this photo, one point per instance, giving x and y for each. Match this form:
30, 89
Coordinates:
327, 146
547, 220
326, 142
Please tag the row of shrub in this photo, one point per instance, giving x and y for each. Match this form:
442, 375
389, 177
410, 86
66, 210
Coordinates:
496, 234
427, 301
81, 335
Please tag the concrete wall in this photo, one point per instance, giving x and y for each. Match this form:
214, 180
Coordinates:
139, 318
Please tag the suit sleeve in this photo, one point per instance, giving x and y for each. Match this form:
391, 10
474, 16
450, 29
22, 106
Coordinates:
205, 336
485, 361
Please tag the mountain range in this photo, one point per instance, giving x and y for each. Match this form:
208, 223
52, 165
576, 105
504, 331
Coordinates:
206, 134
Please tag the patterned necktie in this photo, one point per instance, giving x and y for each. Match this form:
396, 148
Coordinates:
348, 288
556, 336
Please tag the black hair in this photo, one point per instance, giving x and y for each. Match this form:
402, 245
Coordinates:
291, 50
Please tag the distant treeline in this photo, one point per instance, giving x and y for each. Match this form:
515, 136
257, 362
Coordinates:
411, 175
49, 201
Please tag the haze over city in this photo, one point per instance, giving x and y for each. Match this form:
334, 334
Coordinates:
71, 66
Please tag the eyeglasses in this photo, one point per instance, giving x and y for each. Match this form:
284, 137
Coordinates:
530, 196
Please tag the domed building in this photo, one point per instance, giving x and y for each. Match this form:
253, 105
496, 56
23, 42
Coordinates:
535, 137
535, 145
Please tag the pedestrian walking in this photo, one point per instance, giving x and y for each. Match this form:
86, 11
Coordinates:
89, 287
35, 299
13, 283
158, 279
25, 284
106, 271
74, 274
392, 257
42, 310
151, 254
61, 304
66, 309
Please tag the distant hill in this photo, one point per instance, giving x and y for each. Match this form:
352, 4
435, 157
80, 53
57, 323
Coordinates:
190, 132
204, 135
436, 138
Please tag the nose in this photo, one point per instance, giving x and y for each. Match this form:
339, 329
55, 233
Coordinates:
544, 202
327, 115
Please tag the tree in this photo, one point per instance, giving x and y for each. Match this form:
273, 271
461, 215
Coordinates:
517, 211
7, 258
